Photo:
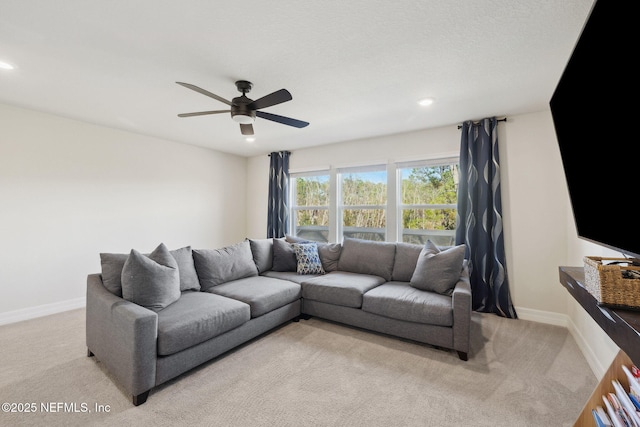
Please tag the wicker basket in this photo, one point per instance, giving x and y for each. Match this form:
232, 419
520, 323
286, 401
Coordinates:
608, 284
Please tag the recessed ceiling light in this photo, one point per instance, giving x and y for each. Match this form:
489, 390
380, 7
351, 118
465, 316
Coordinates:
425, 102
6, 66
250, 139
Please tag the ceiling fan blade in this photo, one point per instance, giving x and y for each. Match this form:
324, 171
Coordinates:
203, 113
246, 129
281, 119
275, 98
204, 92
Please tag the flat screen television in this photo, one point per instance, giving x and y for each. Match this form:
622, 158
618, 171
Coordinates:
597, 123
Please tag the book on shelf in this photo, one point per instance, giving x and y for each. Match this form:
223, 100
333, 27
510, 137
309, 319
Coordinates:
616, 412
601, 418
633, 378
629, 413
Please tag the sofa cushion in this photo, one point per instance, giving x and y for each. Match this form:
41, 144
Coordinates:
307, 258
329, 255
187, 269
217, 266
291, 276
284, 257
112, 270
263, 294
405, 261
197, 317
399, 300
340, 288
151, 281
436, 270
367, 257
262, 251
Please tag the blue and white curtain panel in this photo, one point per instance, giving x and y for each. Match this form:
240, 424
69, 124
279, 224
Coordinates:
278, 206
479, 224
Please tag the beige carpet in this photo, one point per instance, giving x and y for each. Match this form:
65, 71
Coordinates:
311, 373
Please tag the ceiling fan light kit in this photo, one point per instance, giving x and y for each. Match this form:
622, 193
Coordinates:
244, 110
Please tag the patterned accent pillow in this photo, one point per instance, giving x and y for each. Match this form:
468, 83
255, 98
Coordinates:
307, 258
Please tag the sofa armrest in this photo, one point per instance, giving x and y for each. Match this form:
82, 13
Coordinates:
123, 336
462, 302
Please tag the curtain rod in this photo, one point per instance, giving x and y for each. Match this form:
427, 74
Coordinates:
477, 123
288, 152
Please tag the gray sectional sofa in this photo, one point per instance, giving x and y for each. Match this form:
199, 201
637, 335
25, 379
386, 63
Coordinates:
150, 318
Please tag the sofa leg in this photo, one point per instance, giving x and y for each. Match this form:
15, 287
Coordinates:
89, 353
463, 356
304, 316
141, 398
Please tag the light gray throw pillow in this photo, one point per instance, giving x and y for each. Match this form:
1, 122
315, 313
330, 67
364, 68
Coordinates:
151, 281
329, 255
218, 266
112, 270
188, 276
407, 255
262, 251
438, 271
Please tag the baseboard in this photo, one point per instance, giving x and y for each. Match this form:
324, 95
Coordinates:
595, 364
41, 310
565, 321
540, 316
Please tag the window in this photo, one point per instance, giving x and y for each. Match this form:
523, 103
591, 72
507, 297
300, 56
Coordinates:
310, 206
362, 207
408, 202
428, 202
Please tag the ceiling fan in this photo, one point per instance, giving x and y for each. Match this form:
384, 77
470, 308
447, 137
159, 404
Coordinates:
244, 110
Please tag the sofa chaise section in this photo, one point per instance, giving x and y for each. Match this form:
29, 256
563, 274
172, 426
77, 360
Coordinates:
143, 348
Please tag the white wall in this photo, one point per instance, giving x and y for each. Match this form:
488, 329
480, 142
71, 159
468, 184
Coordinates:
70, 190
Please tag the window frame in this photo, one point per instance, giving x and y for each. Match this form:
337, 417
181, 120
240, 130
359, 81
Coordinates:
401, 207
294, 207
341, 207
393, 208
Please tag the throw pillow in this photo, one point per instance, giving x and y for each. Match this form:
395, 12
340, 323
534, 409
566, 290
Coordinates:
151, 281
404, 265
329, 255
262, 250
218, 266
284, 257
308, 259
112, 270
187, 269
438, 271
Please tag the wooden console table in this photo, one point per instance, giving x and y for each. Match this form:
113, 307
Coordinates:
622, 326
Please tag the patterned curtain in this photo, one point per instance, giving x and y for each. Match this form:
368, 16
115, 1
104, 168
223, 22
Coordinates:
278, 207
480, 218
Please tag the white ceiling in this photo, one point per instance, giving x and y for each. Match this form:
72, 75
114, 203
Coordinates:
355, 68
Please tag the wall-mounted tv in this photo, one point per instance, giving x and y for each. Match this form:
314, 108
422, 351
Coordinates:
597, 122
